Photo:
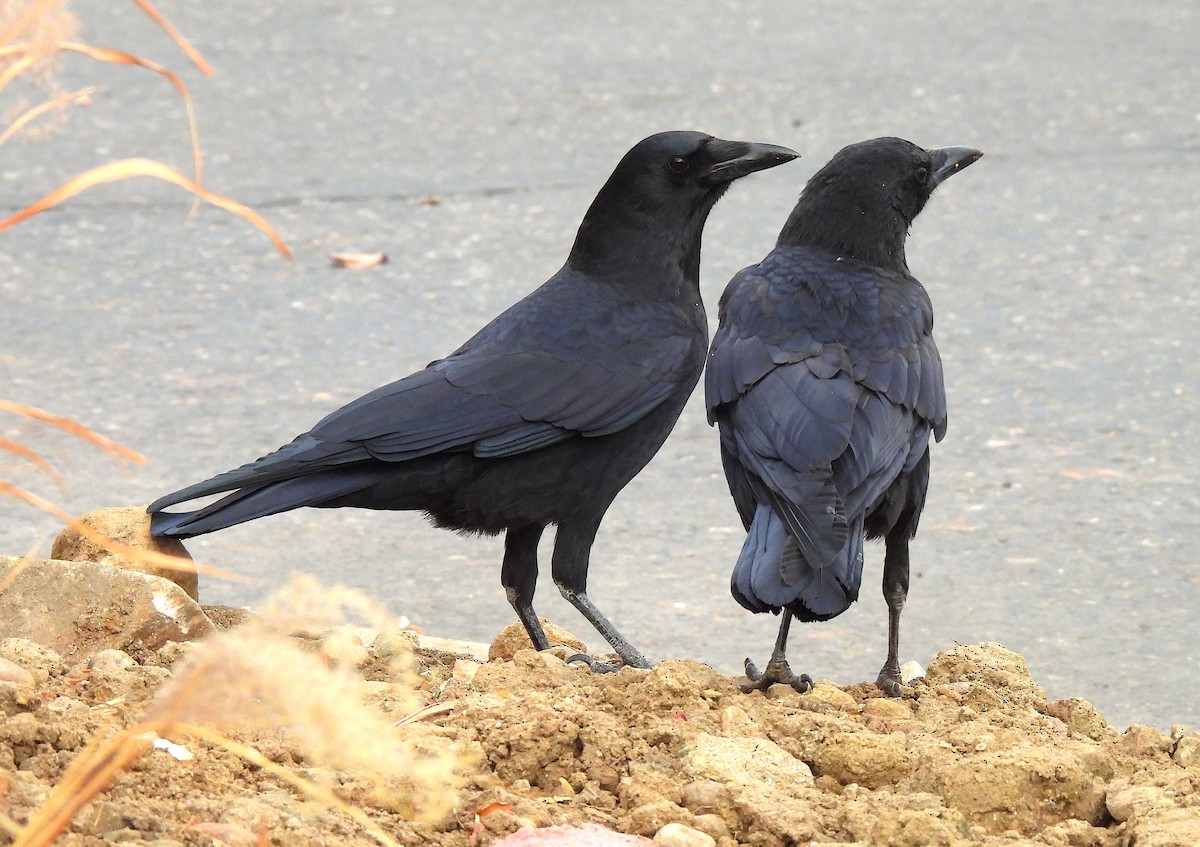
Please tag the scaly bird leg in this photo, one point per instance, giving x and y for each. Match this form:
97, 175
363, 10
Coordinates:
518, 575
572, 546
777, 669
895, 592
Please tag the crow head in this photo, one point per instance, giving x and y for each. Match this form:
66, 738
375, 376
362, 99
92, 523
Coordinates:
651, 212
862, 203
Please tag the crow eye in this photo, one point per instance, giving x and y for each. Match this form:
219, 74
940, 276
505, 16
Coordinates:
922, 175
678, 165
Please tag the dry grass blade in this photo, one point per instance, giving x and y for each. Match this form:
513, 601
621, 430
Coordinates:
432, 710
125, 168
119, 57
91, 772
20, 123
133, 554
36, 459
175, 35
112, 449
17, 68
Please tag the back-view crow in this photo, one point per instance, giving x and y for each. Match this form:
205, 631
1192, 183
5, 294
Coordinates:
826, 385
548, 411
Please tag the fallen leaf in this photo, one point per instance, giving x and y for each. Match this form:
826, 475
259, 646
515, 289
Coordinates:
357, 261
1086, 473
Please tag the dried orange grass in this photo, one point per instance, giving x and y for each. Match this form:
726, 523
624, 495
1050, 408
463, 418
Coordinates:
33, 35
114, 451
255, 676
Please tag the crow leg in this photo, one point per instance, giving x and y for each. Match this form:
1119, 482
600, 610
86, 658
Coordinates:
572, 549
777, 669
895, 592
518, 575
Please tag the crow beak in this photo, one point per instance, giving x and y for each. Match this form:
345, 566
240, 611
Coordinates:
735, 159
948, 161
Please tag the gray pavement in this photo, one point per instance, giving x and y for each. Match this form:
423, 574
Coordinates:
1063, 515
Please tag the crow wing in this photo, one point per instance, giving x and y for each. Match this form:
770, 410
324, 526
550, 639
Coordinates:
824, 377
520, 384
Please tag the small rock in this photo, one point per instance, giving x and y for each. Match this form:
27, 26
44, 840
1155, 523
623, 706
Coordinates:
713, 825
39, 660
111, 661
1187, 751
1081, 717
389, 644
452, 647
513, 638
735, 721
83, 608
227, 617
15, 698
1124, 801
883, 707
679, 835
465, 669
545, 661
741, 760
989, 665
173, 652
830, 695
650, 818
911, 671
706, 797
14, 673
129, 525
1144, 742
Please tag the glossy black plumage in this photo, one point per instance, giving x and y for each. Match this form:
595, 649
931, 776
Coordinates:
548, 411
826, 385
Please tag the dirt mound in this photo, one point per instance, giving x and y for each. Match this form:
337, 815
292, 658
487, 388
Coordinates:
972, 755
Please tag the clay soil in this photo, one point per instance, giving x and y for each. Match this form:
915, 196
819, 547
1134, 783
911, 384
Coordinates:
973, 754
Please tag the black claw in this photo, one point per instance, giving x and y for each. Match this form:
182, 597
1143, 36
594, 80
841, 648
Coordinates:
890, 686
594, 665
776, 672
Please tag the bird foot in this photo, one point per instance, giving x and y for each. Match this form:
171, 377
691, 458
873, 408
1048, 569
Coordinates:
889, 682
777, 671
596, 666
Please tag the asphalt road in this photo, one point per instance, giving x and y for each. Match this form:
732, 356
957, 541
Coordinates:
1063, 514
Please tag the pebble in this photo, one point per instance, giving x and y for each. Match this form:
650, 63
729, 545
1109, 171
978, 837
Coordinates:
911, 671
12, 672
679, 835
1187, 751
1125, 801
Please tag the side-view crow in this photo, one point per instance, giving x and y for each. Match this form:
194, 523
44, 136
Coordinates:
546, 413
825, 384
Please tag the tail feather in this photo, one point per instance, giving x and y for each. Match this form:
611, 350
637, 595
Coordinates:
272, 498
817, 593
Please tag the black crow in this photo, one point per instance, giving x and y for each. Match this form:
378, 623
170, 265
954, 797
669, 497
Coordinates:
546, 413
825, 384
